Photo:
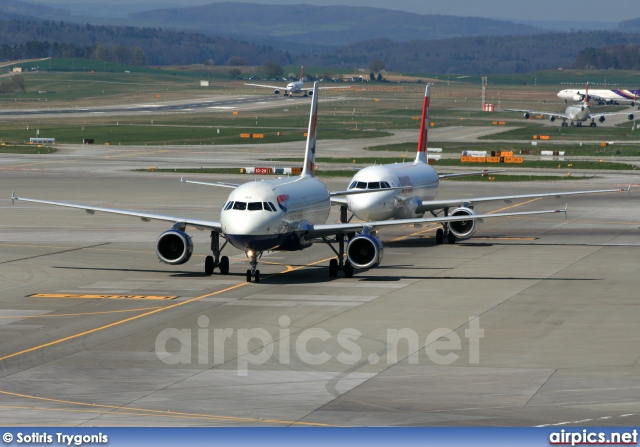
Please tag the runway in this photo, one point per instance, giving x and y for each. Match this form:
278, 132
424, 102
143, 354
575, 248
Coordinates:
531, 322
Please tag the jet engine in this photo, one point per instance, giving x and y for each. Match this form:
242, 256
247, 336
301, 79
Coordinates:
578, 98
601, 119
276, 91
552, 118
526, 115
365, 251
630, 116
463, 228
310, 93
174, 247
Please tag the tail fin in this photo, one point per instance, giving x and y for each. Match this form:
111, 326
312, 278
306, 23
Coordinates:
301, 70
421, 156
586, 95
309, 168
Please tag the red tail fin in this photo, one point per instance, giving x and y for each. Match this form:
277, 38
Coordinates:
301, 70
421, 156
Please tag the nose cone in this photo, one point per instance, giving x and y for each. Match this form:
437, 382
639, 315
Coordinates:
372, 206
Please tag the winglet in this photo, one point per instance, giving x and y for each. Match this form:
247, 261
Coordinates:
421, 156
310, 151
565, 211
13, 197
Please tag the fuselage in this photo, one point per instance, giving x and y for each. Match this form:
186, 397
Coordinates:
419, 182
272, 214
578, 112
606, 95
295, 87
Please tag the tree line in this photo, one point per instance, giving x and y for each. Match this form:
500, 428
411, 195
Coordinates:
617, 57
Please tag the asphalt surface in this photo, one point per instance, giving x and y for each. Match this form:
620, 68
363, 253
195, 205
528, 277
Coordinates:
531, 322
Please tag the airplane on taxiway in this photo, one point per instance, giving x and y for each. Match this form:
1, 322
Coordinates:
286, 214
576, 114
602, 96
419, 182
294, 87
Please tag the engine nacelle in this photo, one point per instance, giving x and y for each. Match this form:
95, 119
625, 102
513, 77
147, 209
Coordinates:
630, 116
463, 228
310, 93
365, 251
552, 118
601, 119
578, 98
276, 91
174, 247
526, 115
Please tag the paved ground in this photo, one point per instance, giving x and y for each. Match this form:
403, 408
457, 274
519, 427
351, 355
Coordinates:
531, 322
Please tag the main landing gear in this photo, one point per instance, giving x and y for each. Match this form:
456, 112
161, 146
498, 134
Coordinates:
339, 264
445, 231
211, 262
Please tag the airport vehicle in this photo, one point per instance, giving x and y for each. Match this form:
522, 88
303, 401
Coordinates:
419, 182
576, 114
602, 96
294, 87
286, 214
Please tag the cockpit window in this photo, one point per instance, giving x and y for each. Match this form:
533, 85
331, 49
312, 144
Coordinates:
385, 185
373, 185
361, 185
269, 206
255, 206
240, 206
228, 205
352, 185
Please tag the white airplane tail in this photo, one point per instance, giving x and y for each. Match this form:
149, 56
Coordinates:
421, 156
309, 168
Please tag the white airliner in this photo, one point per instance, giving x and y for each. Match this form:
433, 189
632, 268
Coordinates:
285, 214
294, 87
600, 95
576, 114
419, 181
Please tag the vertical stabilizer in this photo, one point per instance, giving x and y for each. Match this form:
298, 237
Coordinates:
309, 168
301, 71
586, 95
421, 157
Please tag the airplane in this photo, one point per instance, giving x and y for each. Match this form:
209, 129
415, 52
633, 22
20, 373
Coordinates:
285, 214
602, 96
419, 182
577, 114
294, 87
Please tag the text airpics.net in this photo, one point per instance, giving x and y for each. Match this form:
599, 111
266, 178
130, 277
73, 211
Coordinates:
313, 346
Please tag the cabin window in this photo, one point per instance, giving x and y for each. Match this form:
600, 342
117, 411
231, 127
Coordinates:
240, 206
255, 206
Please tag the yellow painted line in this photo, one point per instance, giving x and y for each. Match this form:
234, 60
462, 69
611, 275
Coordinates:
515, 205
147, 412
92, 296
79, 314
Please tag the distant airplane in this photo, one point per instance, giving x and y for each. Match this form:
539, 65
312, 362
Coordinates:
576, 114
420, 186
286, 214
601, 96
294, 87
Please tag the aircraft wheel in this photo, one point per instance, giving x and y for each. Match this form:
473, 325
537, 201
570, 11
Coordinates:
451, 238
257, 278
348, 270
248, 275
224, 265
333, 268
208, 265
439, 236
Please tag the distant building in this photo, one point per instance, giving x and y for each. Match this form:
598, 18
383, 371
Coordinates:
204, 83
17, 69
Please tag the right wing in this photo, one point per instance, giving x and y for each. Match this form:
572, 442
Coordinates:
538, 112
222, 184
146, 217
436, 205
276, 87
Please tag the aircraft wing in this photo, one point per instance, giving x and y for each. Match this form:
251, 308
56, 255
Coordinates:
598, 115
222, 184
467, 174
436, 205
278, 87
316, 231
539, 112
324, 88
146, 217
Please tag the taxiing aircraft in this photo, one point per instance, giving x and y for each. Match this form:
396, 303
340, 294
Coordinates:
419, 182
286, 214
576, 114
601, 96
294, 87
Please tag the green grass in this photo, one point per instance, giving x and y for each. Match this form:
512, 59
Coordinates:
26, 149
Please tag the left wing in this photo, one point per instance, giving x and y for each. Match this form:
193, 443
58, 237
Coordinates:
598, 115
324, 88
316, 231
538, 112
222, 184
467, 174
146, 217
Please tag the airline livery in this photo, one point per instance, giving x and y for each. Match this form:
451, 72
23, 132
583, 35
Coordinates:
286, 214
576, 114
418, 182
601, 96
